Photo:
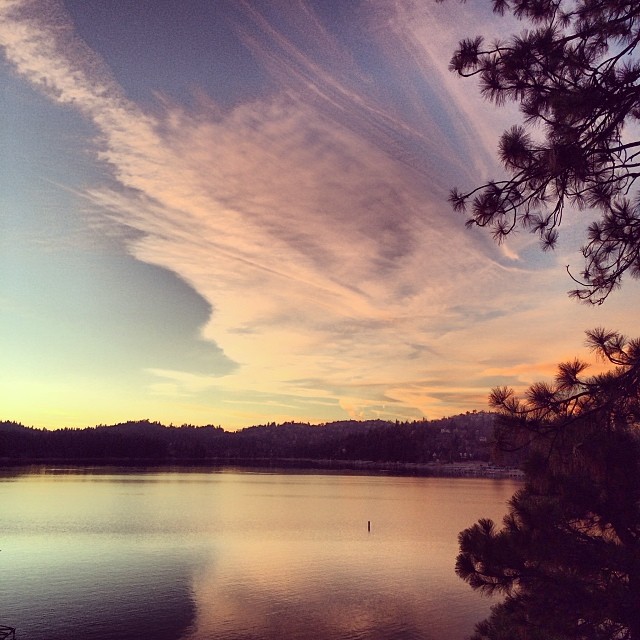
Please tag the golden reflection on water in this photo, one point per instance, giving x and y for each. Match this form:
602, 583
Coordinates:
312, 564
198, 555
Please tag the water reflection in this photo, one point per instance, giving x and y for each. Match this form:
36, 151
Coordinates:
55, 590
318, 590
199, 555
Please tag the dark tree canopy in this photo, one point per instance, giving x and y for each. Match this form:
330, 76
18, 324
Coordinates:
576, 75
568, 554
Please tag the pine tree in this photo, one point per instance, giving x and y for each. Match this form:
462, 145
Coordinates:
567, 557
576, 74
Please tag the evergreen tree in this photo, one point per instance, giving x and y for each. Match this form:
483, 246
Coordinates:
568, 554
576, 74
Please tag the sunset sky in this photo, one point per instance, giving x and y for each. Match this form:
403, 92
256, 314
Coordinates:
234, 212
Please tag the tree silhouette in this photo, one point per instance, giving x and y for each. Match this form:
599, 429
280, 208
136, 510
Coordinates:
576, 74
568, 554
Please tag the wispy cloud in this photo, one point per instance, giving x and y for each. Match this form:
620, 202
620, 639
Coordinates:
314, 220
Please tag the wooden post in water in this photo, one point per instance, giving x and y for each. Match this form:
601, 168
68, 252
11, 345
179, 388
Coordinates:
368, 525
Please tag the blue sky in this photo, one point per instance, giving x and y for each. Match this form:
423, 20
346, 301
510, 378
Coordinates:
235, 212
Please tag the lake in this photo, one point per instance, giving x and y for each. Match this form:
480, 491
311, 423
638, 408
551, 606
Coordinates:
99, 554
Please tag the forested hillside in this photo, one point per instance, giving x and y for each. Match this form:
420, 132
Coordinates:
460, 438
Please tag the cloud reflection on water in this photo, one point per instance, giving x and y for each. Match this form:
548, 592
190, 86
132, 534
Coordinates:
74, 587
199, 555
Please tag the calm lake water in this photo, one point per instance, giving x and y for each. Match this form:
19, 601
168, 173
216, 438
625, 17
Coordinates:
199, 555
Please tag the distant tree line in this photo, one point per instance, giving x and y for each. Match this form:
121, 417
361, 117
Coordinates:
459, 438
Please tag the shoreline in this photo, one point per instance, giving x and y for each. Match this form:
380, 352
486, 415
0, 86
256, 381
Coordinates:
417, 469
